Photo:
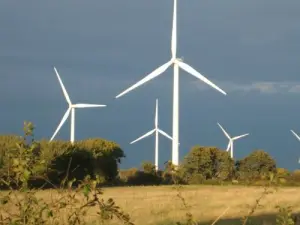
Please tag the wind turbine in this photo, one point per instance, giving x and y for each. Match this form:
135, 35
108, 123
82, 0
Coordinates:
156, 130
71, 110
230, 144
177, 63
297, 136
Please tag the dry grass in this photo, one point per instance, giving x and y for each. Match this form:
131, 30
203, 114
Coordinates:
207, 202
154, 205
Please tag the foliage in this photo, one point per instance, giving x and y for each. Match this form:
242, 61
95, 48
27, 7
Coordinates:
148, 167
23, 160
284, 216
295, 176
204, 163
257, 165
22, 206
126, 176
93, 157
147, 176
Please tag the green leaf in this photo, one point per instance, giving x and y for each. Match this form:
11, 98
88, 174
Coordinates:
15, 162
50, 213
26, 174
86, 190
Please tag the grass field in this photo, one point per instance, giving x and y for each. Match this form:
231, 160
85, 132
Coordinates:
156, 205
160, 205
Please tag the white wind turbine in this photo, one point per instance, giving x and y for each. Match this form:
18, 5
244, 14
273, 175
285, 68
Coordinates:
297, 136
71, 110
176, 62
156, 130
230, 144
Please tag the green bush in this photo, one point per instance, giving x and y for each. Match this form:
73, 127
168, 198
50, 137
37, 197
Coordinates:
196, 179
256, 166
72, 164
61, 159
148, 167
134, 176
126, 175
209, 162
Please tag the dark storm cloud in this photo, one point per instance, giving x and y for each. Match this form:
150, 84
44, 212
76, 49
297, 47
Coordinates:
102, 47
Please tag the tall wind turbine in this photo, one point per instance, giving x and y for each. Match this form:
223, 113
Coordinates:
71, 110
297, 136
230, 144
177, 63
156, 130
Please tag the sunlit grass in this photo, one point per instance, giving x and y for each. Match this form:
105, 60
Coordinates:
160, 205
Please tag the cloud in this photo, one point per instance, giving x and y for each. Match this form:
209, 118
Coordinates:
263, 87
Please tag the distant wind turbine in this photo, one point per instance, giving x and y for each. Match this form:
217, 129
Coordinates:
176, 62
71, 110
297, 136
230, 144
156, 130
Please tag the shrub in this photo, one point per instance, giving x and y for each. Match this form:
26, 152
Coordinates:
72, 164
29, 209
295, 176
209, 162
196, 179
148, 167
127, 175
256, 166
93, 157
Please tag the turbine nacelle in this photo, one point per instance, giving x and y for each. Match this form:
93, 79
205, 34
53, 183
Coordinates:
178, 60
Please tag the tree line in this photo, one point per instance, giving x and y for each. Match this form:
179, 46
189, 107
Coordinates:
51, 164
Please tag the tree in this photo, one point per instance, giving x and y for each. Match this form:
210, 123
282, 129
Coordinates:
207, 163
258, 165
107, 156
94, 157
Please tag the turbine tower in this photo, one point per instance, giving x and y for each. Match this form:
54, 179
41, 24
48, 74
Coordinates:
71, 110
156, 130
230, 144
297, 136
177, 63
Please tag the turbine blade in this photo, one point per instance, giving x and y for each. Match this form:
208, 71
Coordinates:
63, 87
174, 31
195, 73
150, 76
165, 134
156, 114
296, 135
80, 105
145, 135
227, 135
238, 137
65, 117
228, 146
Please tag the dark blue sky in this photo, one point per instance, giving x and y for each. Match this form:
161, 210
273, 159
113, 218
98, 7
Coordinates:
249, 48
